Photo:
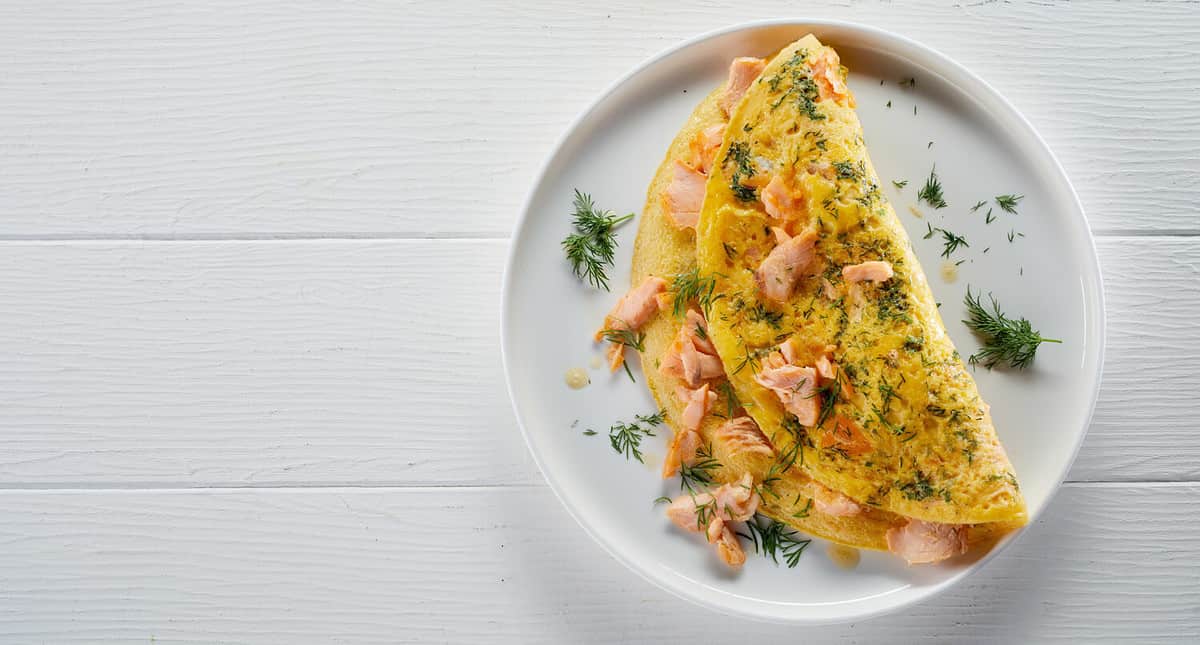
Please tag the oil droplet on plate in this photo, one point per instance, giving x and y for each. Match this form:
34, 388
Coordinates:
949, 271
845, 557
596, 363
576, 378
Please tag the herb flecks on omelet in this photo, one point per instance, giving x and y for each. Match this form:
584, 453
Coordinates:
815, 268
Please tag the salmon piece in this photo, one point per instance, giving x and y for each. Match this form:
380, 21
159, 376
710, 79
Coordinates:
685, 195
684, 511
829, 290
696, 405
830, 502
728, 548
742, 434
691, 357
846, 435
698, 327
796, 388
873, 271
681, 450
827, 72
742, 72
825, 368
635, 308
926, 542
785, 265
632, 311
782, 201
703, 147
737, 501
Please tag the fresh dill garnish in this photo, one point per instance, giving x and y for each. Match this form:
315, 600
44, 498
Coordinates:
1005, 341
1008, 202
918, 489
802, 87
908, 82
725, 389
751, 359
698, 474
626, 438
900, 184
774, 539
591, 247
978, 205
781, 465
628, 338
662, 500
803, 513
950, 241
760, 313
1011, 237
845, 170
589, 432
929, 145
691, 286
743, 167
889, 104
989, 218
931, 192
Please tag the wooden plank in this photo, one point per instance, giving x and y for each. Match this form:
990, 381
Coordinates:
266, 119
353, 362
507, 565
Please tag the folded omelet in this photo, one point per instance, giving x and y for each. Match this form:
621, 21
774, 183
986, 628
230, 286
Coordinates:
740, 430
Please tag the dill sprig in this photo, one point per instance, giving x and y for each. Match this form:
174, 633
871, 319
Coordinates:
774, 539
900, 184
590, 249
725, 389
691, 286
1008, 203
951, 241
978, 205
626, 438
698, 474
931, 192
628, 338
1005, 341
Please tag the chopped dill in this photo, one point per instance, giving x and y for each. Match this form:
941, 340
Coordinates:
1008, 202
908, 82
691, 286
698, 474
889, 104
774, 539
590, 249
931, 192
978, 205
950, 241
725, 389
1005, 341
626, 438
803, 513
989, 218
900, 184
743, 167
760, 313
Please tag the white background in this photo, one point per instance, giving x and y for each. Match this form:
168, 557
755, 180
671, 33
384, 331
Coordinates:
250, 259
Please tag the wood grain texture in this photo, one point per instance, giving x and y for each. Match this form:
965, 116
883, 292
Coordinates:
413, 118
377, 363
507, 565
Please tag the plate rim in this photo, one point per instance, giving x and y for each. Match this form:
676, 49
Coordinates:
1099, 315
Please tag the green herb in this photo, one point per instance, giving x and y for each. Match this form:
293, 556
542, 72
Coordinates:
918, 489
914, 343
803, 513
1010, 237
802, 87
698, 474
900, 184
1008, 202
978, 205
589, 432
691, 286
931, 193
662, 500
628, 338
929, 145
591, 247
1005, 341
760, 313
845, 170
950, 241
908, 82
774, 539
781, 465
626, 438
725, 389
751, 359
889, 104
743, 167
989, 218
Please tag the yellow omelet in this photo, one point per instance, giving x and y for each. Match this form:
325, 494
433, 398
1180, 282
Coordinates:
822, 314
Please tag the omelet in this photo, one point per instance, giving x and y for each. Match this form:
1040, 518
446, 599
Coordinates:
822, 315
716, 439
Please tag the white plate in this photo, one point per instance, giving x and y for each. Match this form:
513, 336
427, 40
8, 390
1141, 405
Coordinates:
982, 148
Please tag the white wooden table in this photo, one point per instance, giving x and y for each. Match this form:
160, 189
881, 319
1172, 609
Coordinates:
250, 258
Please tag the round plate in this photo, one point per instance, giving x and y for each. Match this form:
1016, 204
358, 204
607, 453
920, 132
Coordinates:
1047, 272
